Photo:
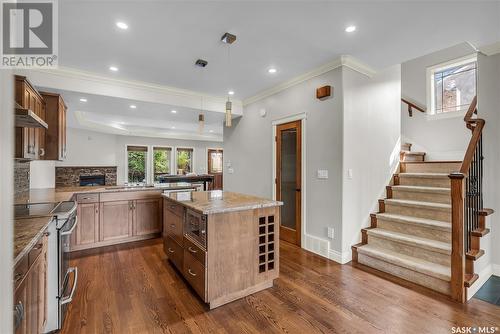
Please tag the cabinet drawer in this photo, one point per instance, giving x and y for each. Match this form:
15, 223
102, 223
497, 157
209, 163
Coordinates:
20, 271
174, 226
174, 208
35, 252
174, 252
194, 273
195, 250
87, 198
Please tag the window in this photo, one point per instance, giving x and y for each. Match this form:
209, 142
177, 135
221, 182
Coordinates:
136, 162
161, 162
452, 86
184, 160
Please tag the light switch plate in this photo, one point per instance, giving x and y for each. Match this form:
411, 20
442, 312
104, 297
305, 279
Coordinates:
331, 233
230, 170
349, 174
322, 174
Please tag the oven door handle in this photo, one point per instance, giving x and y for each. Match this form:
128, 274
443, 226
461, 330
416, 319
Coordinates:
68, 299
72, 227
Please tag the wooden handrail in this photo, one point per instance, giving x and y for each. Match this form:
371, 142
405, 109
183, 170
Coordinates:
412, 106
476, 125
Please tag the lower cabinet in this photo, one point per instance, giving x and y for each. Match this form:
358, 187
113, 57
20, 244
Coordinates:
102, 223
30, 296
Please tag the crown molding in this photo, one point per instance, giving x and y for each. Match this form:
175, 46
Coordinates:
65, 78
491, 49
347, 61
109, 129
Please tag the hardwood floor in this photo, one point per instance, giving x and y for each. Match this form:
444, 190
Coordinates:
133, 289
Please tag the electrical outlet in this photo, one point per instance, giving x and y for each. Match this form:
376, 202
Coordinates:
331, 233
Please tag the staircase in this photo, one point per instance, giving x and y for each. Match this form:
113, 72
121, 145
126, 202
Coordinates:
410, 236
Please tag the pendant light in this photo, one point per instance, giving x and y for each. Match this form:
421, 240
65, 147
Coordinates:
229, 107
201, 123
228, 39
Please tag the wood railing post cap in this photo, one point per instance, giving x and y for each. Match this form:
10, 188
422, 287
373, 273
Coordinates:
456, 175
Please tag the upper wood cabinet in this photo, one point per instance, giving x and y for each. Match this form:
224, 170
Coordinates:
55, 116
30, 142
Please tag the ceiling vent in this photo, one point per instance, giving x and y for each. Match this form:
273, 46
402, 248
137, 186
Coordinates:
228, 38
201, 63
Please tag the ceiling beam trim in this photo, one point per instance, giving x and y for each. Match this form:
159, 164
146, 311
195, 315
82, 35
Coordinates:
347, 61
90, 83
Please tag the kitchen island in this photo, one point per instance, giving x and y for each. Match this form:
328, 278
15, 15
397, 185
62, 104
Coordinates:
225, 244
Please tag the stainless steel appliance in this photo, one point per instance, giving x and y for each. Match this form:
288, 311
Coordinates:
62, 279
196, 227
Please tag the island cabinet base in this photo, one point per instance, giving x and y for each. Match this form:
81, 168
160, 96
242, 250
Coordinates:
240, 255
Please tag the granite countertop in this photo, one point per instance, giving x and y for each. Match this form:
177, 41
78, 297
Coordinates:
27, 231
56, 195
218, 201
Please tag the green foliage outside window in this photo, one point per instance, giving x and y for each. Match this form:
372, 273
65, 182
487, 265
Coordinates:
136, 166
184, 161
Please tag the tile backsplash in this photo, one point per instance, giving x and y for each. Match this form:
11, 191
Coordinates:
21, 177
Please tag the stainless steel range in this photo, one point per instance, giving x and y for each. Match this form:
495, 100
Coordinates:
62, 279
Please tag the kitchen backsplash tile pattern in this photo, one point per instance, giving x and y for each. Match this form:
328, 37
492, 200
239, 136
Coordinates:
70, 176
21, 177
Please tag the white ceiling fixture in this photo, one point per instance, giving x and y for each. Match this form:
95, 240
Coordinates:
174, 111
133, 106
231, 92
350, 29
113, 68
122, 25
83, 99
272, 70
211, 131
173, 128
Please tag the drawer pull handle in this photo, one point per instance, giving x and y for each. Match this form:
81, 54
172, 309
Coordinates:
18, 277
37, 247
170, 250
172, 225
172, 207
194, 251
191, 273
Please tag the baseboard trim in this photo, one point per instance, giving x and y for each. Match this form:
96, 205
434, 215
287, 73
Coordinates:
496, 269
321, 247
484, 275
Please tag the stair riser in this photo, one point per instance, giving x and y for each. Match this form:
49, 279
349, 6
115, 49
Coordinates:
407, 274
436, 214
431, 167
425, 182
415, 230
411, 157
421, 196
418, 252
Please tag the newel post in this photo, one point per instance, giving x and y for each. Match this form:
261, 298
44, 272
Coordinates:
458, 291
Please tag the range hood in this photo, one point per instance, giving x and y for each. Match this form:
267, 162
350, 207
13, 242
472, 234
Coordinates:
26, 118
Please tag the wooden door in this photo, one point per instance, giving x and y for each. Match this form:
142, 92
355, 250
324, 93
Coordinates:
115, 221
88, 224
289, 179
147, 216
216, 167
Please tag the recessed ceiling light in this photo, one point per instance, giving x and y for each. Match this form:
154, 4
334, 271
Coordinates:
132, 106
231, 92
350, 29
122, 25
83, 100
173, 128
174, 111
272, 70
211, 131
113, 68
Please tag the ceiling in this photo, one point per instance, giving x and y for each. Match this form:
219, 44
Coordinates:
114, 115
166, 37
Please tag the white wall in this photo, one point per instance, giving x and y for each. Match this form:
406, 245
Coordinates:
6, 199
42, 174
371, 146
88, 148
441, 139
249, 144
489, 109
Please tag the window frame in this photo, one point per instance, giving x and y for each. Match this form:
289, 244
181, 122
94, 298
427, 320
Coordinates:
430, 72
177, 148
147, 163
152, 169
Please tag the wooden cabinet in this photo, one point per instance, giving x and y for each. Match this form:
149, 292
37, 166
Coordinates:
30, 296
30, 142
147, 213
115, 220
55, 116
88, 224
